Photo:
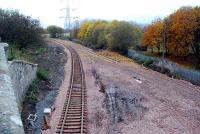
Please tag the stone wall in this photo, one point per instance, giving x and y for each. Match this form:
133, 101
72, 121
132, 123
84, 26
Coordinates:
22, 74
15, 78
10, 120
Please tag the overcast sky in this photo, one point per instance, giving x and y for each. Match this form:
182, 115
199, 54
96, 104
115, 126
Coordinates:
141, 11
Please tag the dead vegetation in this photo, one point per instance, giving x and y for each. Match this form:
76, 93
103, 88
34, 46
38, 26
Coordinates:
98, 80
114, 56
123, 105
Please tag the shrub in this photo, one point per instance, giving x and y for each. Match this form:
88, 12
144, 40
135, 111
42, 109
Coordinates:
101, 41
19, 29
15, 53
119, 36
116, 35
31, 95
55, 31
41, 50
43, 74
169, 67
188, 74
147, 63
11, 54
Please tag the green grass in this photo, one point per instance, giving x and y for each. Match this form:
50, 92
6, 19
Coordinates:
43, 74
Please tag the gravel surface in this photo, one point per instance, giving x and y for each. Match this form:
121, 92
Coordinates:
60, 99
173, 105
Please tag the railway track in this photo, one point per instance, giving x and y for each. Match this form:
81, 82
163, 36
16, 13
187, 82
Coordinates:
74, 114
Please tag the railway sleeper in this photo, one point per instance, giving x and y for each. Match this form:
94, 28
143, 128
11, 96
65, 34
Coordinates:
73, 112
71, 120
72, 131
74, 117
71, 124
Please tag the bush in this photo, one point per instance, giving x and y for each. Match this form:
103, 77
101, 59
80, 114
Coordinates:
188, 74
117, 35
55, 31
101, 41
41, 50
11, 54
43, 74
120, 36
19, 29
16, 53
31, 95
147, 63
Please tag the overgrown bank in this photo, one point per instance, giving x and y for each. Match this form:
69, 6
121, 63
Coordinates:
167, 67
42, 92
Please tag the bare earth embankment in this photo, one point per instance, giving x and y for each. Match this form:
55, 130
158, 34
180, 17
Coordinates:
170, 106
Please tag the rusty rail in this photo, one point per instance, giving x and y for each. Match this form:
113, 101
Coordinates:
74, 114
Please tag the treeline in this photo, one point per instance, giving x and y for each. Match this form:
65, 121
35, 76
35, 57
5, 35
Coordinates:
18, 29
178, 34
116, 35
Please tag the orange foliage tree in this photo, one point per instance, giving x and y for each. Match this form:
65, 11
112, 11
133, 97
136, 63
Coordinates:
153, 36
196, 44
181, 30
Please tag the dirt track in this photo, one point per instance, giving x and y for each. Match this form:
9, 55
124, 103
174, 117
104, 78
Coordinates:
173, 105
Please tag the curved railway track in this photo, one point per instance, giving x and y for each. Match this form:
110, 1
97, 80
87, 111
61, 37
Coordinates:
74, 114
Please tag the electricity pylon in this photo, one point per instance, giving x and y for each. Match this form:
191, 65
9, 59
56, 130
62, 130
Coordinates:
68, 17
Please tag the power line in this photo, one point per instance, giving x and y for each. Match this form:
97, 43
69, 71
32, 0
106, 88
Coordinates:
67, 17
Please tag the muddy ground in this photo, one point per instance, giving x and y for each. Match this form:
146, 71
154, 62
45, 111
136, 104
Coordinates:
53, 58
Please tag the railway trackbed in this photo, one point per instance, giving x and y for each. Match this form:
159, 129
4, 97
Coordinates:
74, 114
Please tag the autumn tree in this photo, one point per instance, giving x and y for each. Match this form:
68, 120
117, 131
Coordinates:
88, 38
196, 43
182, 27
83, 30
153, 35
92, 34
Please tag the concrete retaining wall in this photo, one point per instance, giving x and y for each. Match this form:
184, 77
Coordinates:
22, 74
10, 120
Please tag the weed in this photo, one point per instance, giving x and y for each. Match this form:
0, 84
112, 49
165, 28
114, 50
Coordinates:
15, 53
169, 68
43, 74
147, 63
11, 54
32, 93
41, 50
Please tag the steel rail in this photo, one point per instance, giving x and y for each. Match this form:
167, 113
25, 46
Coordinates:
76, 95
